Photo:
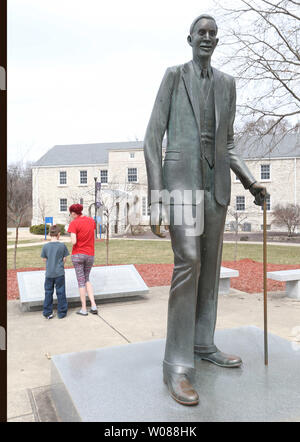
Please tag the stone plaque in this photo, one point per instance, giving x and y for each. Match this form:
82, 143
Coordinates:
108, 282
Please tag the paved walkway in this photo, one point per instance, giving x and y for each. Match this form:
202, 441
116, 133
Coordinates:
38, 243
32, 340
24, 234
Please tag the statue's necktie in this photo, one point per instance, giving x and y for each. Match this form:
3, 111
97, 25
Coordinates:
204, 73
206, 117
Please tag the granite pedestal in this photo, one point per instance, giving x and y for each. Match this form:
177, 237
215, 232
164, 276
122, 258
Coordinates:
291, 279
109, 282
124, 383
225, 275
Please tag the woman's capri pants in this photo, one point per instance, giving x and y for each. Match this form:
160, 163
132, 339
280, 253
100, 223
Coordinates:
82, 265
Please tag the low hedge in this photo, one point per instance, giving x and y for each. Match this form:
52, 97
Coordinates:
39, 229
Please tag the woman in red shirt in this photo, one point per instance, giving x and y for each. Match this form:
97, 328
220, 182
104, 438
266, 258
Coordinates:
82, 230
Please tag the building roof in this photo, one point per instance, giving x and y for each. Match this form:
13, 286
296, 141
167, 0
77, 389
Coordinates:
80, 154
269, 147
97, 153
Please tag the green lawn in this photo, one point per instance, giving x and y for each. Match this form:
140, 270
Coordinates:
275, 254
145, 252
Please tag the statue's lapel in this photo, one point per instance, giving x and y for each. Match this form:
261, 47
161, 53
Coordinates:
189, 79
218, 92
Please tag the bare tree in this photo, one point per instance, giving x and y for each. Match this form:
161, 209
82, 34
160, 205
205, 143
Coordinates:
134, 217
115, 193
287, 215
74, 197
42, 206
264, 55
239, 218
19, 197
262, 127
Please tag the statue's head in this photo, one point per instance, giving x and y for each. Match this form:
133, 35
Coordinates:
203, 36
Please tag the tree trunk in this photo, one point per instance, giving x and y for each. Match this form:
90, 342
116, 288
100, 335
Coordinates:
235, 246
16, 243
236, 238
107, 242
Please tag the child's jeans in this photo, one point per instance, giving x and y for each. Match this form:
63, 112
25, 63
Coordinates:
62, 305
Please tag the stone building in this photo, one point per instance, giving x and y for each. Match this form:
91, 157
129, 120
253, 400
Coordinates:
274, 163
68, 174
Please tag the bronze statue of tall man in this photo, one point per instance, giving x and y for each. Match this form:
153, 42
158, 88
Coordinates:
196, 105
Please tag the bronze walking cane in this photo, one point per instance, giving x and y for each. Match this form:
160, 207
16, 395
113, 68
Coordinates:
265, 282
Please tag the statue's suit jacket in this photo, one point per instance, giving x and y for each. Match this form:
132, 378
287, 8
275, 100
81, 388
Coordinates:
177, 111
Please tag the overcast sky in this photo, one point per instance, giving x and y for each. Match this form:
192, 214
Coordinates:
88, 71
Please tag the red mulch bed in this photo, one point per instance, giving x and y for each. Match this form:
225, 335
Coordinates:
250, 279
250, 275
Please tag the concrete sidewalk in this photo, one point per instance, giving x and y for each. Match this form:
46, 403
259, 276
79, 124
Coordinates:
37, 243
32, 339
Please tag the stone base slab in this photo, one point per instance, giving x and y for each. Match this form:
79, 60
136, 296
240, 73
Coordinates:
124, 383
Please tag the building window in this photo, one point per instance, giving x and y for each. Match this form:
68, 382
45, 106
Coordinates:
81, 201
131, 154
62, 177
265, 172
83, 177
144, 206
103, 176
132, 174
63, 205
268, 203
246, 227
240, 203
268, 226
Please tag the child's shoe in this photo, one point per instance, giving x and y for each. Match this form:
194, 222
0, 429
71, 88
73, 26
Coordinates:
50, 316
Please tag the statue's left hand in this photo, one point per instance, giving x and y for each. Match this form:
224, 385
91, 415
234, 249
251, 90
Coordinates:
259, 192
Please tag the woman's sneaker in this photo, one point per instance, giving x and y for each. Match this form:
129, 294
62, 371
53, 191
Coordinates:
94, 310
82, 313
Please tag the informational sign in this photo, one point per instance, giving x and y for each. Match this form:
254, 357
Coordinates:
48, 220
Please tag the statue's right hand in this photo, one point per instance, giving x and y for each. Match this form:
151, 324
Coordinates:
157, 232
158, 216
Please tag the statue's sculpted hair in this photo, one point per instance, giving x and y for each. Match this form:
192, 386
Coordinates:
209, 17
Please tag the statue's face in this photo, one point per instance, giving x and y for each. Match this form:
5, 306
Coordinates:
204, 38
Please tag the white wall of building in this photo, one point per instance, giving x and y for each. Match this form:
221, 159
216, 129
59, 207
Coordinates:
283, 186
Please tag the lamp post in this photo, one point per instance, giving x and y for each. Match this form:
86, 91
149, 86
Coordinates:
95, 178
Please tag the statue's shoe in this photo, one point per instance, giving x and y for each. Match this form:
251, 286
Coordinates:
181, 389
222, 359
